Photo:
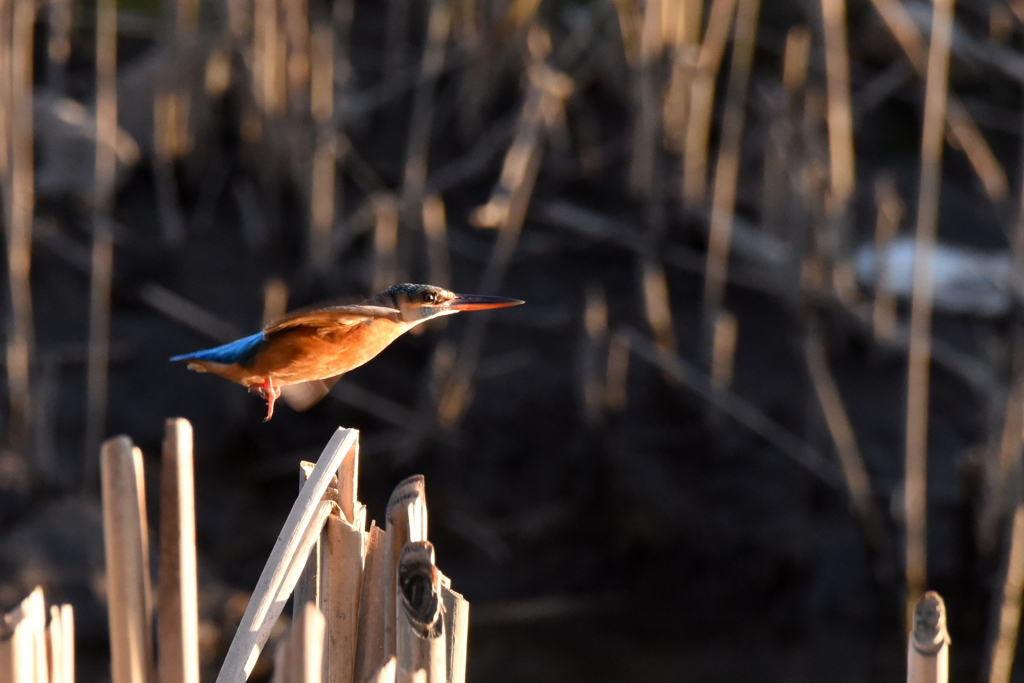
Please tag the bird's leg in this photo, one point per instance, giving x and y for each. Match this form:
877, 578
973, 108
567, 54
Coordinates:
267, 390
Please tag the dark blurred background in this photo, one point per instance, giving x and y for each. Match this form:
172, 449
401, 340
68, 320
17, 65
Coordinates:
686, 457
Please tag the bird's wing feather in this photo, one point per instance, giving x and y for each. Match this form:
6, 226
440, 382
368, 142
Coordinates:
238, 351
333, 316
305, 395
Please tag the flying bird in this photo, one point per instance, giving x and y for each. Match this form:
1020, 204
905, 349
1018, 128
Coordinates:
302, 355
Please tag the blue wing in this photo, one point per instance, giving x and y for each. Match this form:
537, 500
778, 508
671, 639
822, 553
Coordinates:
240, 351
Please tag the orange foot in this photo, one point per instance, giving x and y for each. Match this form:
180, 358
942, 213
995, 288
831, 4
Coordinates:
267, 390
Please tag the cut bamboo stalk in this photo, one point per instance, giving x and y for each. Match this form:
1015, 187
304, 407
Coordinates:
341, 585
887, 224
64, 671
405, 522
55, 646
102, 264
178, 597
1004, 647
306, 646
257, 621
727, 168
21, 204
370, 657
348, 487
456, 629
126, 539
702, 100
915, 478
420, 638
23, 648
928, 646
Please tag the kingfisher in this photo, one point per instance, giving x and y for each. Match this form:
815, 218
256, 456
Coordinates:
304, 353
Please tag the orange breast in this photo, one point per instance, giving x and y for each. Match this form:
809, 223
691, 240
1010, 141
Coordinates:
303, 354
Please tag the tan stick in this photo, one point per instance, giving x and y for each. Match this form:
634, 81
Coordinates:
420, 624
963, 132
702, 100
915, 478
928, 647
435, 229
855, 474
323, 183
1005, 646
406, 521
341, 584
456, 630
307, 587
840, 116
23, 647
370, 634
257, 621
102, 265
21, 203
178, 596
727, 169
126, 539
890, 213
306, 647
67, 642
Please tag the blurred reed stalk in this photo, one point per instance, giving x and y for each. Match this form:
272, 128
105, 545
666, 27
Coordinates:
702, 100
887, 224
16, 50
727, 168
915, 496
963, 132
1004, 645
58, 46
323, 180
840, 116
547, 91
102, 260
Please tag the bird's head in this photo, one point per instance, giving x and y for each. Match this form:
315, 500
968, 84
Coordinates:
419, 303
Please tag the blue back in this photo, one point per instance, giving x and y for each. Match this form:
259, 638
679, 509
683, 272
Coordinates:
240, 351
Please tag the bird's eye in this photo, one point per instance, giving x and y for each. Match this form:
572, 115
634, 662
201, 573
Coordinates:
429, 297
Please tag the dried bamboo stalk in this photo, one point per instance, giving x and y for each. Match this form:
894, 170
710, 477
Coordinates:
307, 587
435, 229
23, 648
406, 522
385, 242
178, 596
126, 539
306, 646
62, 643
915, 482
420, 637
727, 168
456, 629
102, 263
370, 657
387, 673
341, 585
928, 646
323, 182
257, 620
1004, 647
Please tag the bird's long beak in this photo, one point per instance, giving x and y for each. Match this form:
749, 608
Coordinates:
477, 302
